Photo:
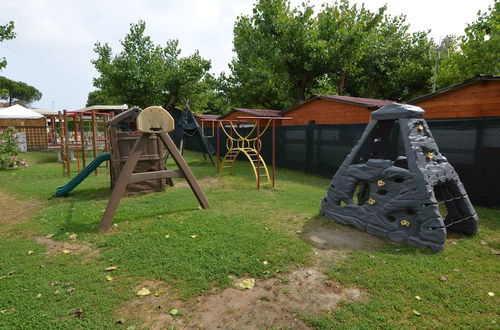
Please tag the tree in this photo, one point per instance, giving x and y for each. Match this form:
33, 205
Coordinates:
394, 64
18, 91
6, 33
145, 74
99, 97
476, 52
283, 55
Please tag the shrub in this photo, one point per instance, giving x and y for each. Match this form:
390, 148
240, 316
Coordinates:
9, 151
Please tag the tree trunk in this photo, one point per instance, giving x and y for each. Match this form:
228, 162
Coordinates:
300, 90
172, 100
341, 86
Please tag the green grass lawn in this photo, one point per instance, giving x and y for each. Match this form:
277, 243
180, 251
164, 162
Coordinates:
153, 241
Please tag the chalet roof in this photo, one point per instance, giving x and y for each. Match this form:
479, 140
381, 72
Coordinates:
254, 112
362, 101
447, 89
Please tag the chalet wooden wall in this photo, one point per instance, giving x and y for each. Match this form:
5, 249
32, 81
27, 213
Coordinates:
327, 112
478, 100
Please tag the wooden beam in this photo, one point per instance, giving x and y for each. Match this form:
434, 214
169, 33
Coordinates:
121, 183
183, 166
145, 176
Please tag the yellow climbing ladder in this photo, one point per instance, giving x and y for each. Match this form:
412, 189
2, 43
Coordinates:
248, 146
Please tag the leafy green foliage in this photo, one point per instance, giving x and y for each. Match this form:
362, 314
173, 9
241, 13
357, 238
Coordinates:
9, 151
145, 74
284, 54
6, 33
18, 91
476, 52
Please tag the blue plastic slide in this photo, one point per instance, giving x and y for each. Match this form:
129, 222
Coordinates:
66, 189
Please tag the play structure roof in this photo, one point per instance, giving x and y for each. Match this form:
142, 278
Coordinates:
18, 112
105, 107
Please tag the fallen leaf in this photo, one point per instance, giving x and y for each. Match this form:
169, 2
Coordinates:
109, 278
66, 251
456, 269
160, 292
54, 283
110, 268
418, 297
194, 236
31, 252
70, 290
167, 236
484, 242
56, 292
491, 294
247, 284
416, 312
444, 278
143, 292
115, 225
265, 262
39, 295
78, 312
372, 256
49, 236
174, 311
159, 217
73, 237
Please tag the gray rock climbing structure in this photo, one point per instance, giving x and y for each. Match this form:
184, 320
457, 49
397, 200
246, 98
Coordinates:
401, 198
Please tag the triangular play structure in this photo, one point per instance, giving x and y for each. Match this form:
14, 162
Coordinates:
151, 122
400, 198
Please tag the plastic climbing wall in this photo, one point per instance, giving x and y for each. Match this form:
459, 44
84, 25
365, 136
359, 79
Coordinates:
415, 198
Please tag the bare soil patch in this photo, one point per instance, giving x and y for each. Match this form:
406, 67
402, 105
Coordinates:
271, 303
57, 247
15, 211
325, 234
205, 182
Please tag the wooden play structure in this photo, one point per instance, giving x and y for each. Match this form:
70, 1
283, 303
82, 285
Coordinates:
87, 133
248, 145
153, 124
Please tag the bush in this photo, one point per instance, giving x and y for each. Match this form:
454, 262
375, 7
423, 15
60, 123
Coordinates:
9, 150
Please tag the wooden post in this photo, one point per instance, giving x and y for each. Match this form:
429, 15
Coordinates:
77, 144
257, 140
82, 138
61, 138
274, 148
183, 166
106, 138
121, 183
94, 137
66, 144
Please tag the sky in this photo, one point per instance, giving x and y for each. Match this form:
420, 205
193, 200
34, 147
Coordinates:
55, 38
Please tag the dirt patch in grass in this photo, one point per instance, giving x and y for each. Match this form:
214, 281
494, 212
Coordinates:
325, 234
15, 211
57, 247
272, 303
205, 182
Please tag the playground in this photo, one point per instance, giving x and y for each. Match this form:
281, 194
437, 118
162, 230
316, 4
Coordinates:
301, 270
